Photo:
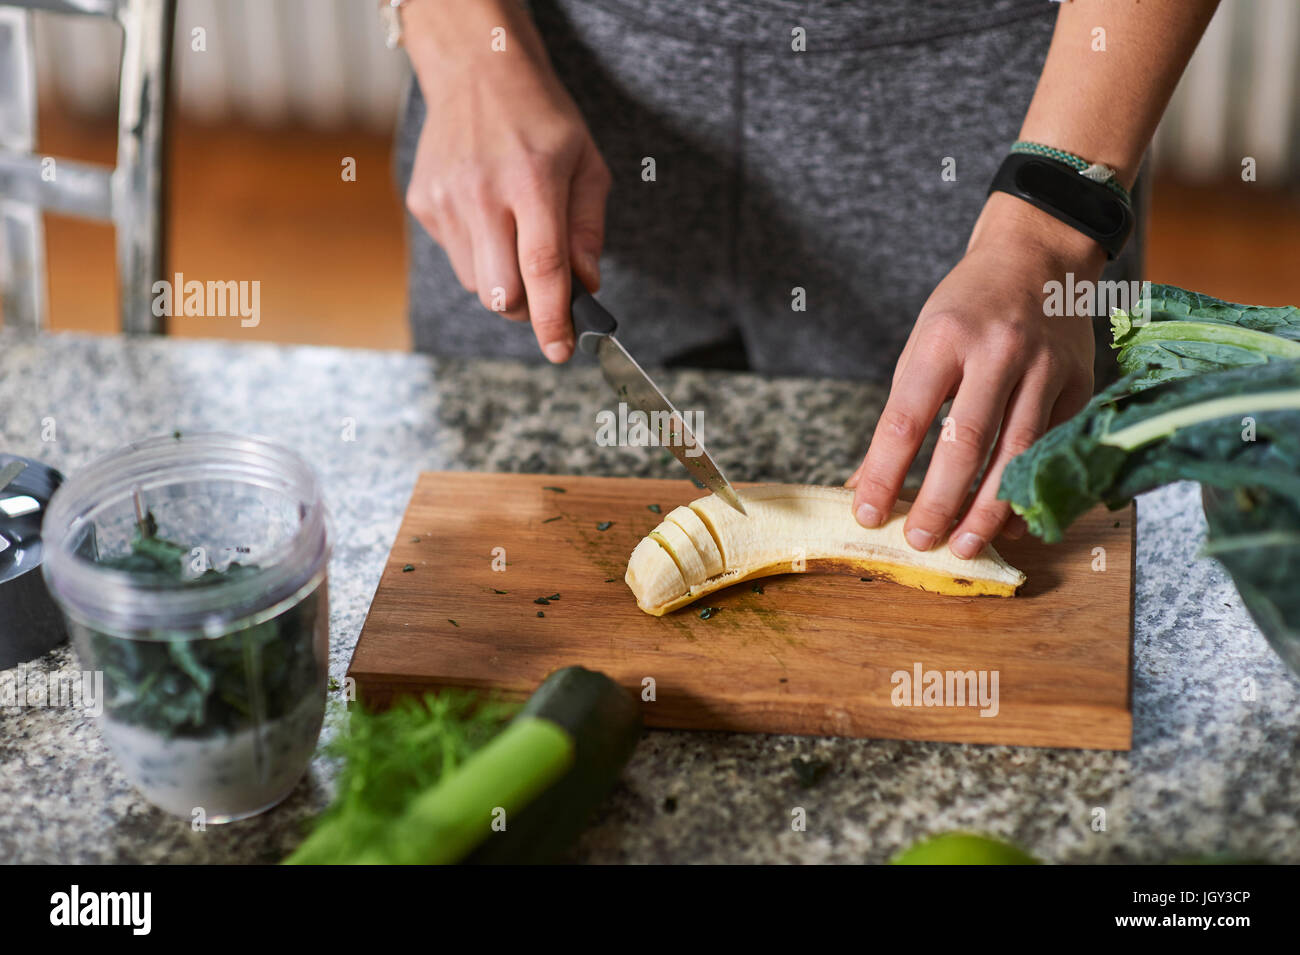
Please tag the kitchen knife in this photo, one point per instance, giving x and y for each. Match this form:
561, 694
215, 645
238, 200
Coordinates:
595, 329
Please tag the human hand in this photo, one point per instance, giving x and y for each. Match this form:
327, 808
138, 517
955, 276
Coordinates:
984, 340
507, 178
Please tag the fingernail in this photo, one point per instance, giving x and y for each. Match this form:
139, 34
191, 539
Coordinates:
967, 545
557, 351
919, 539
868, 516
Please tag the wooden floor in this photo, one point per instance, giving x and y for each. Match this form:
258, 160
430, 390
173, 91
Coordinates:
271, 205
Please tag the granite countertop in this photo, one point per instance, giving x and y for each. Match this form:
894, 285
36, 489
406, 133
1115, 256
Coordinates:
1213, 768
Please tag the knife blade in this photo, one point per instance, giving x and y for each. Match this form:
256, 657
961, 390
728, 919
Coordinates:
595, 328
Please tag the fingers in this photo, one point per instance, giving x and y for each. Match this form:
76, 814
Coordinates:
918, 392
543, 250
963, 447
496, 264
1027, 419
433, 208
587, 196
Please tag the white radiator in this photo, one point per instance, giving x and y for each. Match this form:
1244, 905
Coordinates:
320, 62
323, 62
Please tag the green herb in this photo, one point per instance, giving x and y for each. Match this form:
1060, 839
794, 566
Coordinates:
654, 508
557, 490
757, 588
176, 435
610, 580
541, 600
334, 684
555, 518
452, 622
604, 525
495, 591
553, 597
809, 772
541, 613
387, 759
708, 612
408, 568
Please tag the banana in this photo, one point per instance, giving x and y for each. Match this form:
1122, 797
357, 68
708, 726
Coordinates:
707, 545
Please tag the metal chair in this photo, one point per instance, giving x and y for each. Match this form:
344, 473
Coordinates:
130, 195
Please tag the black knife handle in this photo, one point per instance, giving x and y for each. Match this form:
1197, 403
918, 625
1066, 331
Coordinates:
591, 322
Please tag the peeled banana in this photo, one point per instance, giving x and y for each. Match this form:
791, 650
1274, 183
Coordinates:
707, 545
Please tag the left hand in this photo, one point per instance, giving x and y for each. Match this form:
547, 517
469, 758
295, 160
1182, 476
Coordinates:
984, 340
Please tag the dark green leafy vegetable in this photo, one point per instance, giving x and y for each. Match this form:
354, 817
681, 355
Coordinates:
408, 568
708, 612
1187, 333
604, 525
1255, 534
557, 490
187, 686
1212, 394
1127, 441
555, 518
654, 508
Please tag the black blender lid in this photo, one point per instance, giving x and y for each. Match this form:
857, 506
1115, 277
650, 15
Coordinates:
30, 623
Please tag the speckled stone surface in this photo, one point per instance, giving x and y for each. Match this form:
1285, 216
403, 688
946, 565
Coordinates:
1217, 717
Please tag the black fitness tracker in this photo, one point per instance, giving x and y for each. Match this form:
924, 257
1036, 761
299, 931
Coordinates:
1059, 190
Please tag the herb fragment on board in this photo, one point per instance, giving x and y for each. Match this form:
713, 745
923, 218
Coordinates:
610, 580
654, 508
809, 772
604, 525
541, 613
557, 490
495, 591
452, 622
541, 600
708, 612
553, 597
757, 588
408, 568
549, 519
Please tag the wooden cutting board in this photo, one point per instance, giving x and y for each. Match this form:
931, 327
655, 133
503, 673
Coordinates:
813, 654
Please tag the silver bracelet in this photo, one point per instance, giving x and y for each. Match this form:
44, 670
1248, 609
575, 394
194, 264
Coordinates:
391, 13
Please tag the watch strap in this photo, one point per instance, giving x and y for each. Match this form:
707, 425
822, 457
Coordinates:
1063, 192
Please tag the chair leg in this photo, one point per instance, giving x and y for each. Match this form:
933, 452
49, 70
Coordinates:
140, 180
22, 236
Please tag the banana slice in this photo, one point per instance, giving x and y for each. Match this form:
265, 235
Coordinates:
707, 545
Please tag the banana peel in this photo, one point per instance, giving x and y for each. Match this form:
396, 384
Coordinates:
793, 528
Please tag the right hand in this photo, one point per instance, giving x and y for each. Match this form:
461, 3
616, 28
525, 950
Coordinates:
507, 178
